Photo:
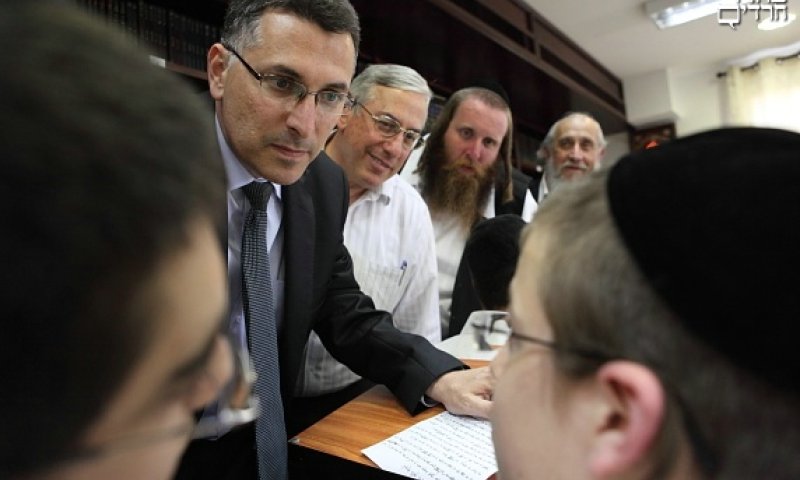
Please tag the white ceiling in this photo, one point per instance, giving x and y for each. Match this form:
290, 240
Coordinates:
622, 37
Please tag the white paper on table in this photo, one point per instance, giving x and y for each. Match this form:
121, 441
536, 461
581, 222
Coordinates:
443, 447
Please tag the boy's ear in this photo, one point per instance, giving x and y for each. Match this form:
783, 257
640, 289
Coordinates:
634, 404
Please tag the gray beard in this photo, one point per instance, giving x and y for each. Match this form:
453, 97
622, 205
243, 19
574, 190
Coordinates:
550, 177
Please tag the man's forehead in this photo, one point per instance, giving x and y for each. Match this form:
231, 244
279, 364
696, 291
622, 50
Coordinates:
391, 95
288, 39
578, 127
390, 98
475, 112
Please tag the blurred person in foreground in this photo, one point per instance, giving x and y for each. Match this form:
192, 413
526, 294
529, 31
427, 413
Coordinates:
652, 332
114, 280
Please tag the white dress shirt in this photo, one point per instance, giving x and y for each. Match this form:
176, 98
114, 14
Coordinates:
544, 190
529, 206
389, 235
451, 237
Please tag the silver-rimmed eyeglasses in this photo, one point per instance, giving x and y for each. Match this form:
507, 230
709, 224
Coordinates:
281, 87
492, 329
499, 323
389, 127
237, 404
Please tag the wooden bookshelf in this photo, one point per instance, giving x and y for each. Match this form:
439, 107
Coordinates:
452, 43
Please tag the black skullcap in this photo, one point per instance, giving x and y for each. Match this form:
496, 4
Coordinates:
713, 222
490, 84
491, 253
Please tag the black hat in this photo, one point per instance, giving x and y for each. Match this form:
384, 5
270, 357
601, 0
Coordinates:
713, 222
491, 252
490, 84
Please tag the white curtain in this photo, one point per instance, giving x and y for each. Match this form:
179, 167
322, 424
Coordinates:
765, 96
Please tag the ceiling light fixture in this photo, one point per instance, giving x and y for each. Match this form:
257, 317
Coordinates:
669, 13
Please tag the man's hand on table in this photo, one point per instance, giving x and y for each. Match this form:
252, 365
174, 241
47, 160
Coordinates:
464, 392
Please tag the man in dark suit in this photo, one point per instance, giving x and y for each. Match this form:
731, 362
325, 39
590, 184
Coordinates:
280, 80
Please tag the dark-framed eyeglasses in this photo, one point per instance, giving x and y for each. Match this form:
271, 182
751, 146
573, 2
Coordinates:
389, 127
281, 87
236, 406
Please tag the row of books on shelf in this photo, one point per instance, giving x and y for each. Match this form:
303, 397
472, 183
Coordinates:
168, 34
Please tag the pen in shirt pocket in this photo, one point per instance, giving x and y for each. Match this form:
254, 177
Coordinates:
403, 267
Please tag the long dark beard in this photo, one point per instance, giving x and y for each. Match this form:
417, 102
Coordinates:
447, 191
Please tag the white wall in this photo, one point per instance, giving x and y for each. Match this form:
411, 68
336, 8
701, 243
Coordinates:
697, 95
617, 145
648, 99
692, 97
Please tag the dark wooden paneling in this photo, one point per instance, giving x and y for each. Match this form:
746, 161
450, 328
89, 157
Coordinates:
455, 43
510, 11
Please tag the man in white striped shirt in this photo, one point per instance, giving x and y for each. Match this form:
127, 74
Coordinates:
388, 230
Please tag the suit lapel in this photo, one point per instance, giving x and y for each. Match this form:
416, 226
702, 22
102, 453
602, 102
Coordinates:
299, 234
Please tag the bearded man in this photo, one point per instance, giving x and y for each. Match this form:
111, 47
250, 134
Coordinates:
573, 147
468, 149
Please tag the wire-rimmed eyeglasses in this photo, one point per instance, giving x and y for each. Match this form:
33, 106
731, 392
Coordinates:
494, 328
498, 323
281, 87
389, 127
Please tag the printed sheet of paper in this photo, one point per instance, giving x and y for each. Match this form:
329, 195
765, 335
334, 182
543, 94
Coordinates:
444, 447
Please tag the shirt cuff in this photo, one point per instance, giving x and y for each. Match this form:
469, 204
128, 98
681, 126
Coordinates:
428, 401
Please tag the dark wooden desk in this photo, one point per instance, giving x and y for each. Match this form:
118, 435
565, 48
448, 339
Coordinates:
331, 448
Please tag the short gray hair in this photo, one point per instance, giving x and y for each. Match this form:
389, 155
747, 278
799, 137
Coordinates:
391, 76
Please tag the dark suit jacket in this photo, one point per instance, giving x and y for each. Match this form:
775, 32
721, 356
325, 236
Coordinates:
519, 185
321, 293
534, 186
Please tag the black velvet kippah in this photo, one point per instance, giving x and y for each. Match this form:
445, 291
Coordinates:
491, 253
713, 222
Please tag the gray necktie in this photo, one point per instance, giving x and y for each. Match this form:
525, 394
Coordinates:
259, 309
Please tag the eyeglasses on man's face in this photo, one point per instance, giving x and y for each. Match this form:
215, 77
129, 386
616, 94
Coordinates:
389, 127
494, 329
281, 87
499, 324
235, 406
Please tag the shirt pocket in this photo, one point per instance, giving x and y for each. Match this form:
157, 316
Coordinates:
384, 283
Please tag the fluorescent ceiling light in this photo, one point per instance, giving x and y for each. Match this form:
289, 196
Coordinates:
668, 13
770, 24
